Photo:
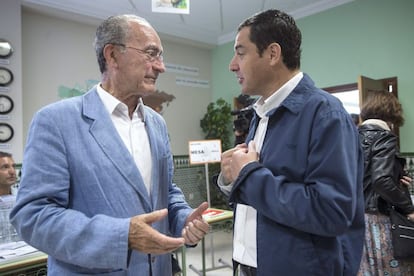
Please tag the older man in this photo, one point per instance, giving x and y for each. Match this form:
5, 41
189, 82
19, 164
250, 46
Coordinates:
96, 192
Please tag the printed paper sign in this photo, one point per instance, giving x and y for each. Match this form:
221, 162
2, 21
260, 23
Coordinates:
204, 151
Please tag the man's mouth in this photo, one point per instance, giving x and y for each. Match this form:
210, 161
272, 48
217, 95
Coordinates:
152, 79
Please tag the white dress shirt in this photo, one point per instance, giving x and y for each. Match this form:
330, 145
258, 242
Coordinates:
245, 224
132, 132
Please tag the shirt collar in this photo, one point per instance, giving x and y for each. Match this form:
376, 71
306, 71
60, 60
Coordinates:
112, 104
263, 106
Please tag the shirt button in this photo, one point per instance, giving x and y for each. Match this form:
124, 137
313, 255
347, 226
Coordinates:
152, 259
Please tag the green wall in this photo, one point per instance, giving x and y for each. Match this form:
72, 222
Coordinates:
374, 38
224, 82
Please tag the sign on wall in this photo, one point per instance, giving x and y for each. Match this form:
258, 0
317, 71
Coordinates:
171, 6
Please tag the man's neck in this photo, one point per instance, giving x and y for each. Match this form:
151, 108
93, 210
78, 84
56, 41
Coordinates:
5, 191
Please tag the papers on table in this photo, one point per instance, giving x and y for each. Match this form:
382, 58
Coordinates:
15, 249
212, 215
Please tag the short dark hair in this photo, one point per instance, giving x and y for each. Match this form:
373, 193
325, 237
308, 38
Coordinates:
276, 26
5, 154
383, 105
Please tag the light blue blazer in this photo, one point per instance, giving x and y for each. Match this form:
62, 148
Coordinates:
80, 186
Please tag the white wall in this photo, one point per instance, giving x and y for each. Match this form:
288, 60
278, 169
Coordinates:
58, 52
11, 30
183, 115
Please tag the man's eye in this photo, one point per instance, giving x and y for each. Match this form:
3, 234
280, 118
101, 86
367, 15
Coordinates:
152, 53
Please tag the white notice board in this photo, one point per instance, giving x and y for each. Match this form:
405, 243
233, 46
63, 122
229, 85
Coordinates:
204, 151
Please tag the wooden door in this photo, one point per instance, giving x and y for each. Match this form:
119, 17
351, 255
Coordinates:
366, 86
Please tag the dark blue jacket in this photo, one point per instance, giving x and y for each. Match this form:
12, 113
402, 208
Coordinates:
306, 188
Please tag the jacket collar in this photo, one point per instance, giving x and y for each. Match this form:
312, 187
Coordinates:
298, 97
262, 107
377, 122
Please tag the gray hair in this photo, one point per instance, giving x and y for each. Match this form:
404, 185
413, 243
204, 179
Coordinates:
113, 30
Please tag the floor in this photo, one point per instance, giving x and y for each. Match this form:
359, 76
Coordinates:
222, 244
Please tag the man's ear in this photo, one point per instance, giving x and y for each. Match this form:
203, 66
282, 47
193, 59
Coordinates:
275, 52
109, 52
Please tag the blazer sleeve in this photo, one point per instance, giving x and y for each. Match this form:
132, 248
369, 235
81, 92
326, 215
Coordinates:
43, 216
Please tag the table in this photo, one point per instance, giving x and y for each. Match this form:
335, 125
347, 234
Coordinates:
38, 260
212, 216
21, 264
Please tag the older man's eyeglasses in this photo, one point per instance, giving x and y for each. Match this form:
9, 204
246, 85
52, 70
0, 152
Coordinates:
153, 55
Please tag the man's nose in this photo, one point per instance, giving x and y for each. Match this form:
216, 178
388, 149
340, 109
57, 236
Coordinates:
233, 66
159, 66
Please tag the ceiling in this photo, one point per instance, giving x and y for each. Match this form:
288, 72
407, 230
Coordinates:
210, 22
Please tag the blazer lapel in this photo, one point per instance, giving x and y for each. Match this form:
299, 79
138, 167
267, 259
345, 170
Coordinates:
156, 171
106, 136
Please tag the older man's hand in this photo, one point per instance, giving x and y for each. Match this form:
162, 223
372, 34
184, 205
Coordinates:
143, 237
195, 227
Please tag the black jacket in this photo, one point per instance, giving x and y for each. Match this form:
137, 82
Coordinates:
383, 171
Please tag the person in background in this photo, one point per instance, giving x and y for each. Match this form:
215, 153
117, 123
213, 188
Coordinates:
7, 199
244, 113
385, 183
7, 173
296, 185
96, 192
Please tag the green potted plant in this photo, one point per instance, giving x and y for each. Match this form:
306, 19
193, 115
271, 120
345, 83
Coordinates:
217, 124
